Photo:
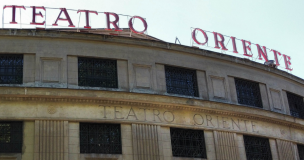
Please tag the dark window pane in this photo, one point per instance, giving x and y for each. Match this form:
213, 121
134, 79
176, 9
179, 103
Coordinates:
301, 151
100, 138
11, 69
11, 137
181, 81
257, 148
248, 92
188, 143
296, 105
95, 72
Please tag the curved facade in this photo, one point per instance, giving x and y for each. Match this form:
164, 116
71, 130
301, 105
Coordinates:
82, 96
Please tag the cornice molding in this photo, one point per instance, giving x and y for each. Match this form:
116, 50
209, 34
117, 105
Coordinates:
150, 104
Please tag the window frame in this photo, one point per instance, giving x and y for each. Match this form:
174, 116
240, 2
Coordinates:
300, 148
181, 147
296, 107
256, 98
16, 69
15, 137
172, 89
95, 79
87, 147
257, 151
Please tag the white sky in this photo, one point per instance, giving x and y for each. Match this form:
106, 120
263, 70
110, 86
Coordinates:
276, 24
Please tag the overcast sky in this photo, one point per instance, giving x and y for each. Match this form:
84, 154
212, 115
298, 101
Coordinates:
276, 24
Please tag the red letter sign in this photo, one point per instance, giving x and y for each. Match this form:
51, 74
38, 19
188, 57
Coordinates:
219, 42
246, 47
131, 25
14, 12
62, 19
234, 45
276, 53
114, 23
87, 17
264, 54
37, 14
194, 36
287, 62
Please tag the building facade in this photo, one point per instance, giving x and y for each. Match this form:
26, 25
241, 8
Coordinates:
84, 96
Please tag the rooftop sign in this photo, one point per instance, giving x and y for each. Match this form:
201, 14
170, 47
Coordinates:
219, 43
63, 15
219, 39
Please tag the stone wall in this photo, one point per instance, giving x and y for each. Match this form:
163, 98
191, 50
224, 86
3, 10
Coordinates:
52, 105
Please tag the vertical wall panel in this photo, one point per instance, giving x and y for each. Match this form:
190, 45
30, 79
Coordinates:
286, 150
226, 146
146, 142
51, 139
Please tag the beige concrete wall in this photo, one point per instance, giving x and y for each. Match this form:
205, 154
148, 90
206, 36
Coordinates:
166, 143
74, 141
72, 71
28, 140
202, 85
127, 142
122, 73
141, 98
210, 145
274, 149
53, 63
241, 146
29, 69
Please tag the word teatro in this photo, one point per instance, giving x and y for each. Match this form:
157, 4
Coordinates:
68, 19
218, 38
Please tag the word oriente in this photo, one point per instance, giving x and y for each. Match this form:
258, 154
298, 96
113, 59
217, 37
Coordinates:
218, 38
219, 44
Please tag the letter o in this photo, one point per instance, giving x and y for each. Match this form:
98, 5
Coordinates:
132, 28
194, 36
195, 120
165, 117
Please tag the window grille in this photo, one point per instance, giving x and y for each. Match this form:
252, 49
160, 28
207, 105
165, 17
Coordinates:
248, 93
11, 137
100, 138
296, 105
11, 69
301, 151
257, 148
188, 143
95, 72
181, 81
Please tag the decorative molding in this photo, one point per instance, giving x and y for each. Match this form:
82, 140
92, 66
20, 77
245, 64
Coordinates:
50, 69
218, 87
141, 72
52, 109
179, 107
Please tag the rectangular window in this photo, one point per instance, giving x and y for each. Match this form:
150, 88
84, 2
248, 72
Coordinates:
93, 72
301, 151
11, 68
296, 105
248, 92
11, 137
181, 81
257, 148
188, 143
100, 138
